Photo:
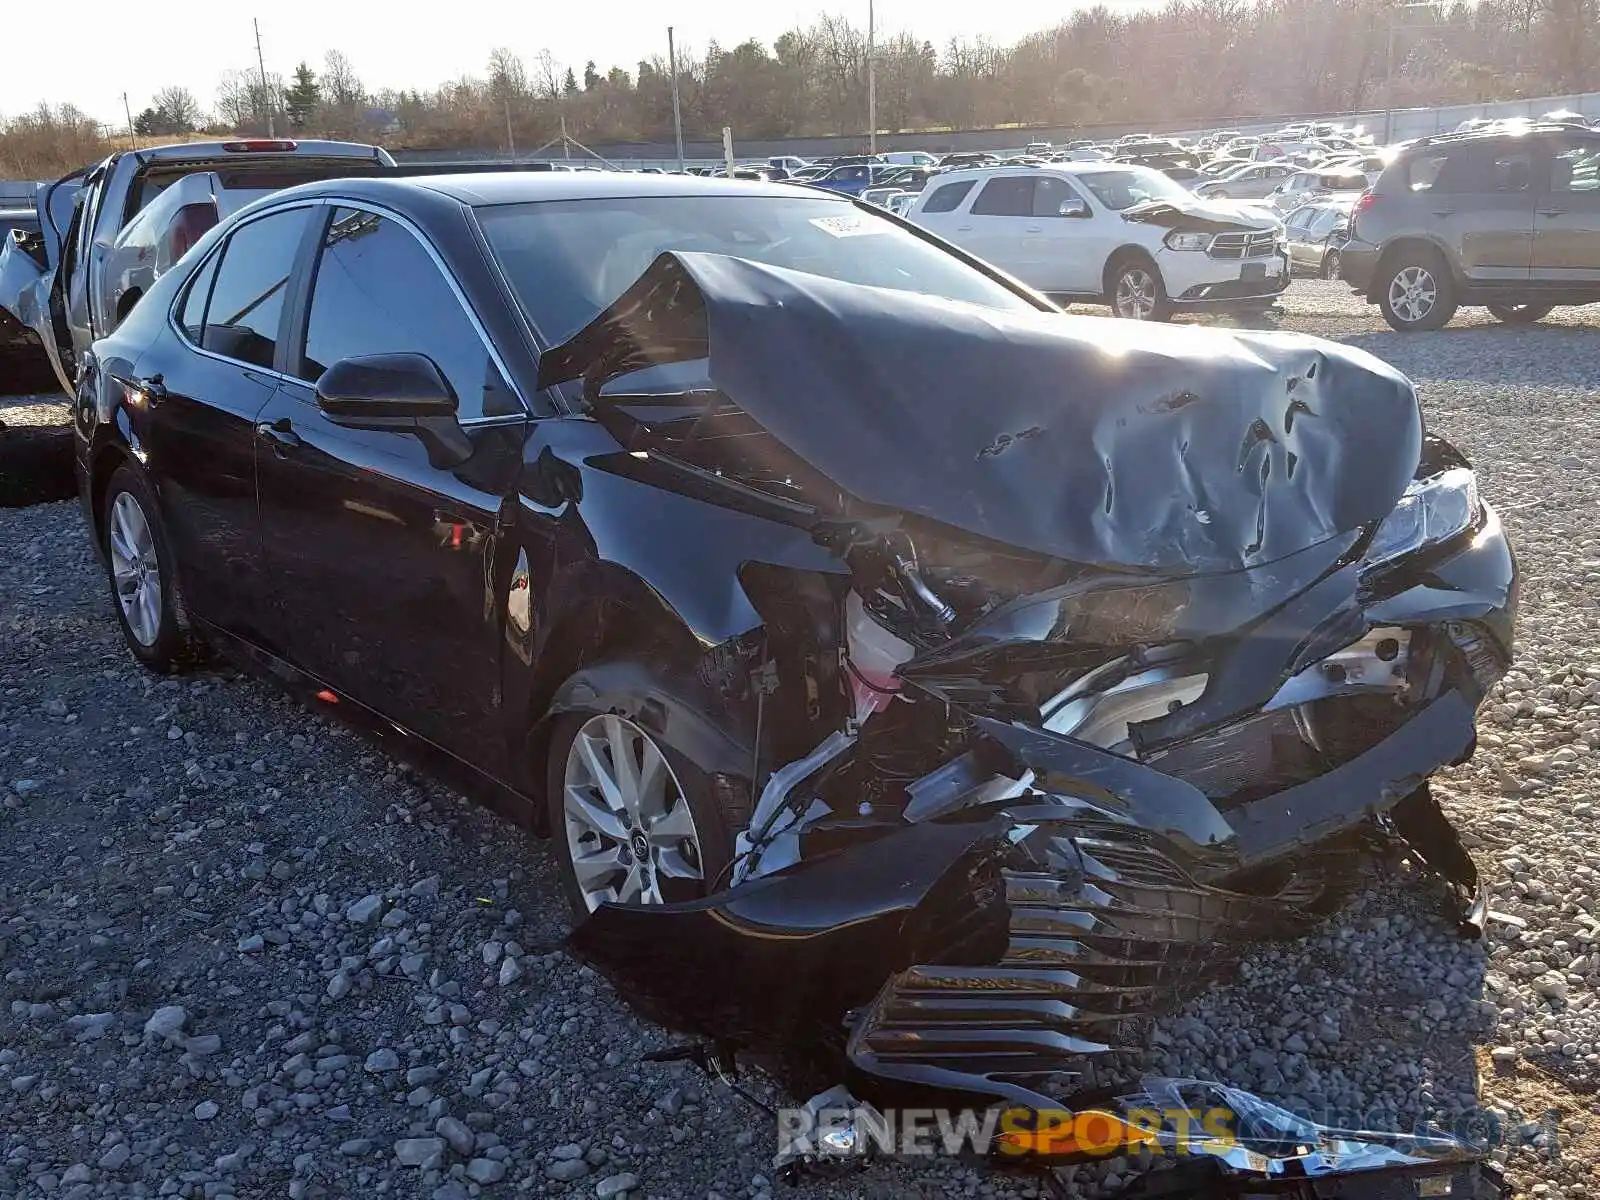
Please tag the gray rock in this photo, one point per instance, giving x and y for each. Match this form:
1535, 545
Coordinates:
339, 985
461, 1139
510, 971
413, 1152
205, 1110
364, 911
383, 1059
115, 1158
166, 1022
615, 1185
566, 1170
486, 1170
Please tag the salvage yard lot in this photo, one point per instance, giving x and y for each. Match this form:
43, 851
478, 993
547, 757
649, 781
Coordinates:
246, 952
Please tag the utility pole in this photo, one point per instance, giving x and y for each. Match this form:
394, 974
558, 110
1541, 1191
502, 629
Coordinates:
677, 113
566, 142
128, 112
872, 82
511, 142
266, 96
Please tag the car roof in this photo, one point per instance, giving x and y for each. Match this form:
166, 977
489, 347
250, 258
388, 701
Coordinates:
1058, 168
521, 187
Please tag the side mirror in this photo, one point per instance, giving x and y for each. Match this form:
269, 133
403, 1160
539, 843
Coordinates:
1073, 208
405, 393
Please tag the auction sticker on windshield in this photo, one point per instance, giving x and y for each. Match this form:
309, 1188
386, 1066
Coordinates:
847, 226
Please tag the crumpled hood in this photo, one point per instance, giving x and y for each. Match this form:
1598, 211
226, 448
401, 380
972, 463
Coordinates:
1107, 442
1200, 213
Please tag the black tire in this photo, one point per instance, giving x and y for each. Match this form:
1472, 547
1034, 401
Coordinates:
1131, 273
1330, 264
712, 834
169, 643
1420, 282
1519, 314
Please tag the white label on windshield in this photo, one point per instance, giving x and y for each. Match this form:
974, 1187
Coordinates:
850, 226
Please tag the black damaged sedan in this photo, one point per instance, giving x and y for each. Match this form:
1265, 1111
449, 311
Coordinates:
908, 675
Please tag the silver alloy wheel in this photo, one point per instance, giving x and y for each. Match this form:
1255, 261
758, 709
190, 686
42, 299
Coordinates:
1136, 294
1330, 265
628, 823
135, 568
1413, 293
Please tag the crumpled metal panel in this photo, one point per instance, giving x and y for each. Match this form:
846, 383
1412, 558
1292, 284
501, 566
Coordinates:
1103, 922
1115, 443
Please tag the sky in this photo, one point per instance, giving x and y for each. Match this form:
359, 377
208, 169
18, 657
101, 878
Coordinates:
141, 48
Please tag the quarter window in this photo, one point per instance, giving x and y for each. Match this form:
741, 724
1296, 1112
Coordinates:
247, 295
378, 291
193, 317
1007, 196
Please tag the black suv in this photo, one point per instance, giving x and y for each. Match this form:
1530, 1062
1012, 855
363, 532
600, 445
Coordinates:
1507, 219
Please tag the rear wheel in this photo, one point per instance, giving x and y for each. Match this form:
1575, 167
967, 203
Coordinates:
1417, 293
1330, 265
1136, 292
143, 575
1520, 314
634, 821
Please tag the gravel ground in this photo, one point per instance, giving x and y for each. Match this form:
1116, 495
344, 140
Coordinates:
247, 952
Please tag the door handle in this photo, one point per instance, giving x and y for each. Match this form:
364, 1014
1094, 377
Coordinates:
281, 434
1033, 229
153, 389
1444, 212
963, 228
1552, 212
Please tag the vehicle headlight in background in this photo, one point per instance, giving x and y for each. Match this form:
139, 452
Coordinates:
1177, 240
1430, 511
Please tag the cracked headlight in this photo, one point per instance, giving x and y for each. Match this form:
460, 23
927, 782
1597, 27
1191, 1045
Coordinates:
1430, 511
1177, 240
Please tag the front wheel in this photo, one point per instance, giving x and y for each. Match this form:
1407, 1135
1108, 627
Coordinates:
634, 821
1330, 265
1417, 294
1520, 314
1137, 292
143, 575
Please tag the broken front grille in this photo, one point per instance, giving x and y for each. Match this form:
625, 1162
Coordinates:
1257, 244
1103, 923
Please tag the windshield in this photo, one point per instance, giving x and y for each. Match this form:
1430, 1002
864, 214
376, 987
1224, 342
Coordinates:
1118, 190
566, 260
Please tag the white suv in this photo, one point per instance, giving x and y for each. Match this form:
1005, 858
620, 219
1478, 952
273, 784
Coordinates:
1109, 233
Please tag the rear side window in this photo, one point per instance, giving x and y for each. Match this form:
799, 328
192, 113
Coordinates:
1422, 171
247, 295
1008, 196
1576, 169
947, 197
378, 291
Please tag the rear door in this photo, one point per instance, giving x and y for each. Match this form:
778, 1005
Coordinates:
1566, 242
382, 564
1481, 204
197, 429
997, 225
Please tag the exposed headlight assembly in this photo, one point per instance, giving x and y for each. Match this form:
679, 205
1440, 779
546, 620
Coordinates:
1177, 240
1431, 510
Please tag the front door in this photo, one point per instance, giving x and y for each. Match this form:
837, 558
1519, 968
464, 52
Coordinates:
196, 421
1566, 239
385, 558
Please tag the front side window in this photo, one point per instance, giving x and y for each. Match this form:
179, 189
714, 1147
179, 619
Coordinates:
566, 260
1049, 194
1007, 196
1118, 190
247, 296
379, 291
